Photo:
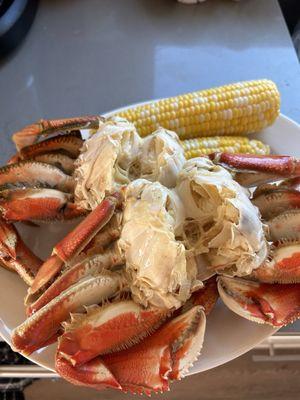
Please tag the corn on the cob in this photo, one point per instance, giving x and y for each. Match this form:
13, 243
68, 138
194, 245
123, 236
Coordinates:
235, 109
229, 144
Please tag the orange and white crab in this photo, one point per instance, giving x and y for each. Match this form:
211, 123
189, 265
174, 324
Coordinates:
126, 292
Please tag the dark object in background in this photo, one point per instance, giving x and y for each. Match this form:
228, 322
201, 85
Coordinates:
16, 17
291, 12
12, 388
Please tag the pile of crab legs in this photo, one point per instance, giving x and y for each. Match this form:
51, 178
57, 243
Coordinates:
127, 346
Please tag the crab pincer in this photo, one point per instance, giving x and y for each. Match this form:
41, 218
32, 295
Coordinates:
147, 367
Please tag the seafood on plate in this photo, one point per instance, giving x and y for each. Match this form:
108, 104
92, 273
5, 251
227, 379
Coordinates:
127, 292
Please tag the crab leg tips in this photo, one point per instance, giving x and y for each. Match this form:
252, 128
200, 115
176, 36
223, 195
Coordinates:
273, 304
15, 255
93, 374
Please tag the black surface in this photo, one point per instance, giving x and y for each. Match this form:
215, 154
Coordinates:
16, 17
291, 12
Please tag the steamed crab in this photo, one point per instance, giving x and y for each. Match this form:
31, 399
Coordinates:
144, 261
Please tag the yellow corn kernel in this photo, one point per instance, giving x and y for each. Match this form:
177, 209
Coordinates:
229, 144
235, 109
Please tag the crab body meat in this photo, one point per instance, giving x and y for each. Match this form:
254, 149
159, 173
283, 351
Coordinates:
156, 263
221, 222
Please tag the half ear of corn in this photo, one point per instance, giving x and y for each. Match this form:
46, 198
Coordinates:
230, 144
235, 109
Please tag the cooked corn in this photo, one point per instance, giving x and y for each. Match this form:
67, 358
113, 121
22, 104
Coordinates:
229, 144
235, 109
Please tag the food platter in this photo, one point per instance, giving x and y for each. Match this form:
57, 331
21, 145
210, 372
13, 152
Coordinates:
227, 335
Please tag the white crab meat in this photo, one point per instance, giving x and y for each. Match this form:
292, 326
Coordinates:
221, 222
158, 271
116, 155
162, 157
106, 162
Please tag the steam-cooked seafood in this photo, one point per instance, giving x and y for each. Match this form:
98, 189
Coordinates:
128, 290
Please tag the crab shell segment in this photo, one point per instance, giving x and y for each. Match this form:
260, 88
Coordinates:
285, 226
89, 267
109, 328
273, 304
282, 264
74, 243
205, 297
148, 366
31, 133
38, 205
252, 170
221, 222
273, 203
15, 255
36, 330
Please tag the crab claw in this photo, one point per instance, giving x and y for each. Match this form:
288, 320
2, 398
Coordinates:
282, 265
273, 304
15, 255
93, 374
36, 330
252, 170
30, 134
148, 366
105, 329
74, 243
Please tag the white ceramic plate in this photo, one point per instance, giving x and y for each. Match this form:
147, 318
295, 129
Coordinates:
227, 335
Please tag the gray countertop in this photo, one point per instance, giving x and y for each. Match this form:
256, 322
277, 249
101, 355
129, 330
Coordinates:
87, 57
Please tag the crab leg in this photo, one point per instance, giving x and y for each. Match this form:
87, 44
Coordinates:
252, 170
69, 144
147, 366
33, 174
293, 183
272, 304
59, 160
38, 205
285, 226
282, 265
15, 255
272, 203
86, 268
34, 332
74, 242
110, 328
30, 134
